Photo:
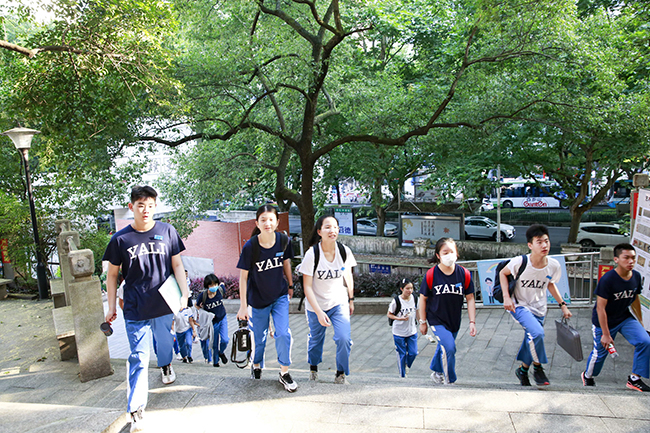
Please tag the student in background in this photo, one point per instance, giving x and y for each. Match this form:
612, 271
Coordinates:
405, 326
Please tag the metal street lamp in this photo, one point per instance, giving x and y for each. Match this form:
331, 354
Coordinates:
22, 138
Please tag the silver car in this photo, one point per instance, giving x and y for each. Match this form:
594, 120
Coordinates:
592, 234
483, 227
368, 227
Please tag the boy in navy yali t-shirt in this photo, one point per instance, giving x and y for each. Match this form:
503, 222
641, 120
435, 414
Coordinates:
148, 252
618, 291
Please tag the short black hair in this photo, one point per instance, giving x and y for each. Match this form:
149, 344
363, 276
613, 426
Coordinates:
536, 230
142, 192
623, 247
210, 280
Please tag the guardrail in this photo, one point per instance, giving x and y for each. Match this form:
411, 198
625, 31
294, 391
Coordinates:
581, 269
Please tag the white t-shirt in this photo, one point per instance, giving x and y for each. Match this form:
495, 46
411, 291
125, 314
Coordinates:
327, 284
530, 290
407, 309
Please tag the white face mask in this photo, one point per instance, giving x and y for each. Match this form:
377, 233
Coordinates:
449, 259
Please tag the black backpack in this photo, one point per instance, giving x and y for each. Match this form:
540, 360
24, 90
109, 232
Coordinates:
255, 243
512, 281
241, 345
344, 257
398, 306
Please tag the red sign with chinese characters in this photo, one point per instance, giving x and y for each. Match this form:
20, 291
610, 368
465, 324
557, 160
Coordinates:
603, 269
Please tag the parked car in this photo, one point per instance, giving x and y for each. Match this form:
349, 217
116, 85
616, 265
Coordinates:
600, 234
368, 227
483, 227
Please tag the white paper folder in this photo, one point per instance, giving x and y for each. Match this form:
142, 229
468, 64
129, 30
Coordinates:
171, 293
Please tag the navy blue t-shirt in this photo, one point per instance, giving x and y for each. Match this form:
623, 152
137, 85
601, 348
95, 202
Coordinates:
619, 294
445, 299
146, 260
214, 305
266, 281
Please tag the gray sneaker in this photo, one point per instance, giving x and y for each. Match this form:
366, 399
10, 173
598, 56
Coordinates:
340, 380
168, 375
438, 378
313, 375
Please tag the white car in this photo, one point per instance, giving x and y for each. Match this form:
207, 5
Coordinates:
483, 227
368, 227
592, 234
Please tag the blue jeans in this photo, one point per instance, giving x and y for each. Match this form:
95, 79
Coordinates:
407, 350
220, 340
185, 342
259, 325
340, 318
635, 334
532, 348
138, 333
205, 348
444, 358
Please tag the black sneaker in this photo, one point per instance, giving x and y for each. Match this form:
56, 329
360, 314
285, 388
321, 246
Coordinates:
184, 360
216, 364
287, 382
522, 376
189, 359
540, 376
223, 358
587, 381
256, 373
637, 385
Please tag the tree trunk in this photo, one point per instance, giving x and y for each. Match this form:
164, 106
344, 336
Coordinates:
576, 216
381, 219
306, 202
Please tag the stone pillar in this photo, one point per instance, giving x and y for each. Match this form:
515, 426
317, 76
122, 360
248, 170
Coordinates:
85, 297
420, 246
63, 247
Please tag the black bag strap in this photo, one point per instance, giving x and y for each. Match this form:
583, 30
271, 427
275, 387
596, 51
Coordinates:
522, 267
255, 244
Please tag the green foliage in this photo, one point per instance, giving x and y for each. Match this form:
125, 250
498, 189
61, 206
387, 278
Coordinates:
96, 241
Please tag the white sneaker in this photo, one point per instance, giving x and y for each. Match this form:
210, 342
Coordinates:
313, 375
287, 382
137, 423
438, 378
340, 380
178, 356
168, 375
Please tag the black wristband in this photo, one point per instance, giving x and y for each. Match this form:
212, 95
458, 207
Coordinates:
562, 304
290, 287
351, 299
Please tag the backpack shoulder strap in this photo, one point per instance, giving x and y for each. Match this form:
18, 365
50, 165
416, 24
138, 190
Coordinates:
284, 241
429, 277
204, 296
255, 243
398, 304
342, 252
316, 249
522, 267
468, 277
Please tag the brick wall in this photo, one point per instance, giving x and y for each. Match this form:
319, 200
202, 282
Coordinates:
220, 241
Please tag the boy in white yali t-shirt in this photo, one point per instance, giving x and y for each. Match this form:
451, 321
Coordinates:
528, 305
404, 326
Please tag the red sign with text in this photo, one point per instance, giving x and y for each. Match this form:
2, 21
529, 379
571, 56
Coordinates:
603, 269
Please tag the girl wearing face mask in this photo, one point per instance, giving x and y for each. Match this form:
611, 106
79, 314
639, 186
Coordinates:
442, 304
211, 301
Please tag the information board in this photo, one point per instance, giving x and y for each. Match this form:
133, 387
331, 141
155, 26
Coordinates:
641, 242
430, 227
344, 215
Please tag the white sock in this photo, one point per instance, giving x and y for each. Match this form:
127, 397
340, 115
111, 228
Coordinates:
634, 377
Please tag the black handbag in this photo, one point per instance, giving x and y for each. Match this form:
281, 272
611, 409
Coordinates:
241, 345
569, 339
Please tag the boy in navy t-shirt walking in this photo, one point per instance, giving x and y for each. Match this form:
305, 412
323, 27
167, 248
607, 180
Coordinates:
618, 291
148, 253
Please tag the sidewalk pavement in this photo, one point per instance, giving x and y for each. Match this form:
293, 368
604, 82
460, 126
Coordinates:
39, 393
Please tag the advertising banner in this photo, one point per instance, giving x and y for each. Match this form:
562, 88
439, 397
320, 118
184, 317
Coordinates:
641, 242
